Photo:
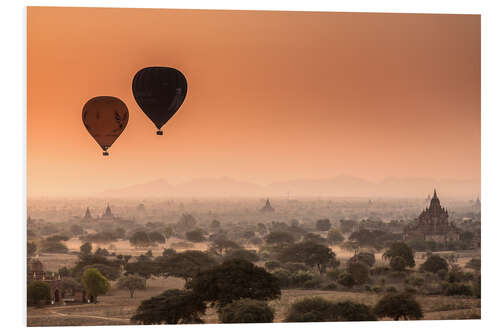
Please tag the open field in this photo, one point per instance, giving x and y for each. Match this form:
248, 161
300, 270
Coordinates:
117, 307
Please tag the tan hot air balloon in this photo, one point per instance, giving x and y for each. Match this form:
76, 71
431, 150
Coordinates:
105, 117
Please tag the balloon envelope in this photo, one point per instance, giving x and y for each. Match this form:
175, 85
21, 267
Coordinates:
159, 92
105, 117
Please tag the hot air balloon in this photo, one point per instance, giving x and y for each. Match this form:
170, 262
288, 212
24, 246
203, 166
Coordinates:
159, 92
105, 117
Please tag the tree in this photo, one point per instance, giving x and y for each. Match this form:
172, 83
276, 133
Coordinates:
346, 280
347, 225
95, 283
248, 255
144, 266
434, 263
85, 249
156, 237
195, 236
31, 249
366, 257
221, 245
76, 230
246, 311
168, 232
359, 271
318, 309
279, 238
140, 239
323, 225
309, 253
132, 283
53, 247
335, 236
400, 249
38, 293
398, 305
173, 306
398, 264
186, 222
184, 265
233, 280
315, 238
110, 272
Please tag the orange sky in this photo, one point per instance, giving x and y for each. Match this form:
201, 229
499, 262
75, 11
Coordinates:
271, 96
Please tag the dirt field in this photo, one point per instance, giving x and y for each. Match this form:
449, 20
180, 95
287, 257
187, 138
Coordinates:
117, 307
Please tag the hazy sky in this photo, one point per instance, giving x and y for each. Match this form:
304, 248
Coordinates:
271, 96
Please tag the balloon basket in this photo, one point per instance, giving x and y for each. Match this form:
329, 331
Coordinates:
159, 133
105, 153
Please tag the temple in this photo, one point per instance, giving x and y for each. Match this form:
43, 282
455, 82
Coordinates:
433, 224
267, 208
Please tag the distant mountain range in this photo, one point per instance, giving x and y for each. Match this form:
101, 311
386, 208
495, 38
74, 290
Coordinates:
340, 186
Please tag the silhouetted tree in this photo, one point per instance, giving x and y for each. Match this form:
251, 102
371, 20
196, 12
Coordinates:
434, 263
173, 306
323, 225
233, 280
398, 305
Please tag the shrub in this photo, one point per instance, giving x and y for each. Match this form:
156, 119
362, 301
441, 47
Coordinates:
415, 280
346, 280
246, 311
368, 287
312, 284
398, 305
452, 289
330, 286
333, 274
434, 263
318, 309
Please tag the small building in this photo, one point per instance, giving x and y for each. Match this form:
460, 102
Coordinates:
59, 292
433, 224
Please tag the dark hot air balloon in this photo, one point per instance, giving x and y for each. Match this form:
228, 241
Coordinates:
159, 91
105, 117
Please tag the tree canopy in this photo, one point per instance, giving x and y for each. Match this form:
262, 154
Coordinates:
309, 253
132, 283
398, 305
173, 306
318, 309
434, 263
233, 280
400, 249
95, 283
